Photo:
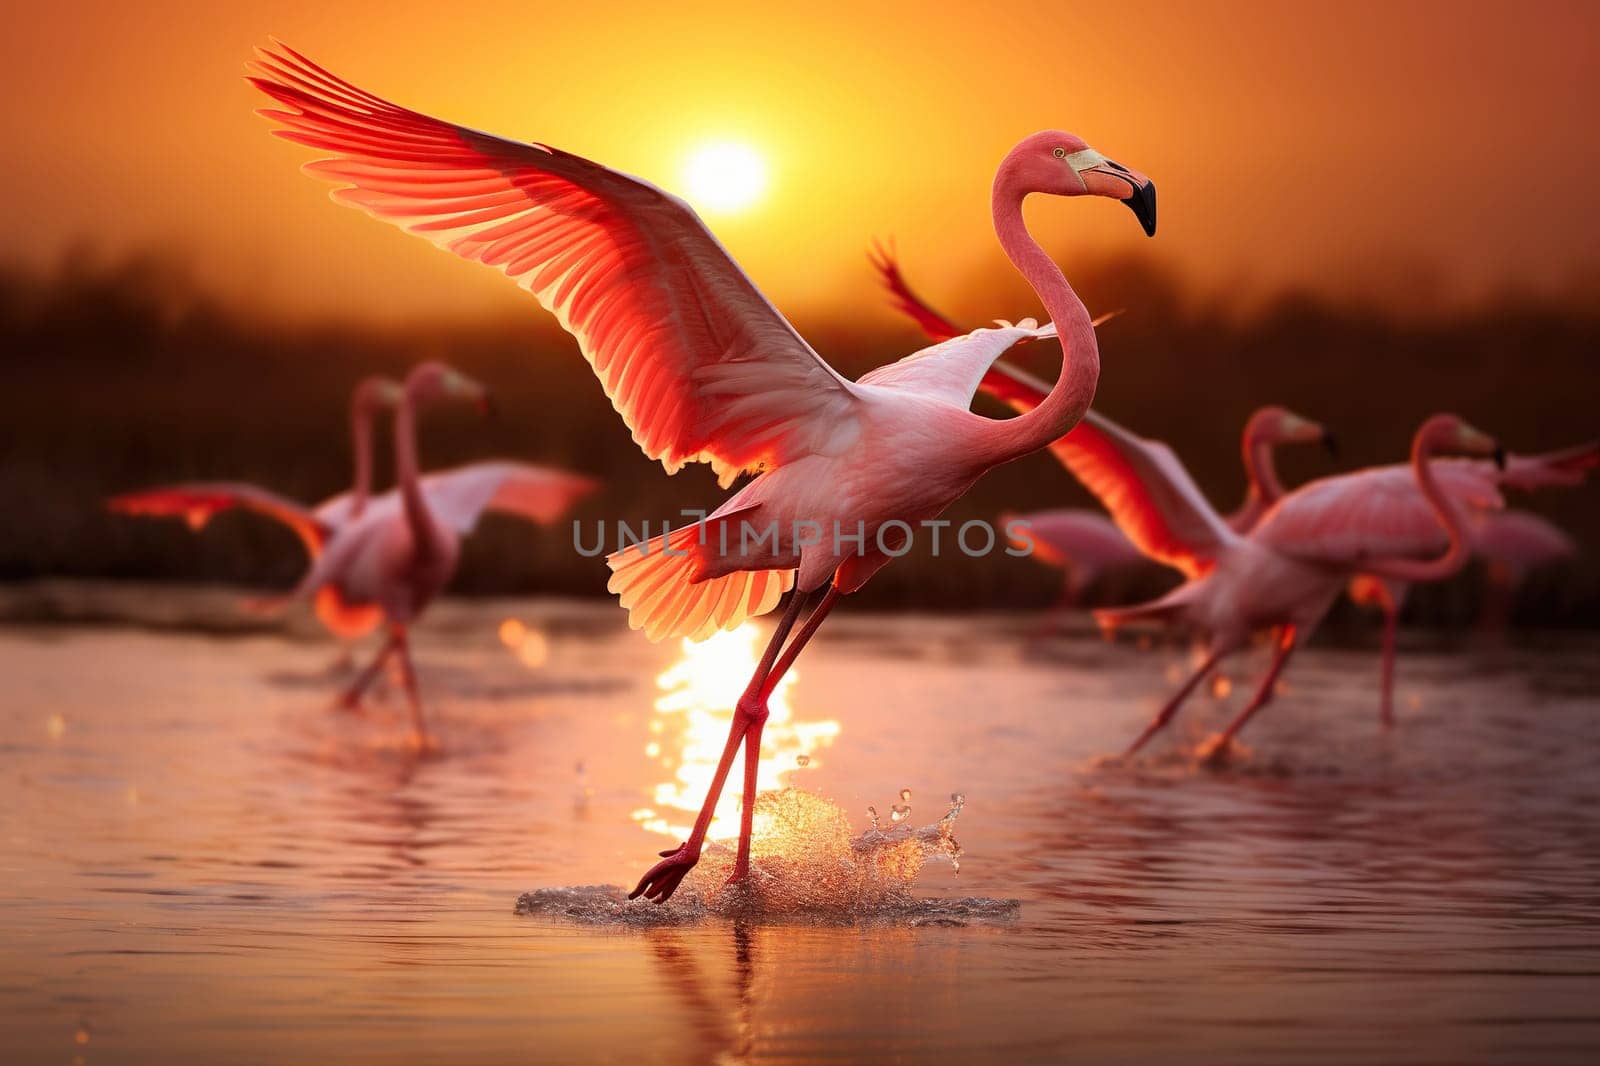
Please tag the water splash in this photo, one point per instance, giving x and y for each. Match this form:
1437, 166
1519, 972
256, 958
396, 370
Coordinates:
805, 867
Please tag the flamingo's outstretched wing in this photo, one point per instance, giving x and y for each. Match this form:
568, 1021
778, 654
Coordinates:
541, 494
1378, 513
198, 502
933, 324
951, 370
1075, 537
699, 364
1141, 482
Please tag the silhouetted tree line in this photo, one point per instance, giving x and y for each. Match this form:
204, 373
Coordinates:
121, 374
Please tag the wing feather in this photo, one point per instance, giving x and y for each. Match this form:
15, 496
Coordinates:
1141, 482
629, 270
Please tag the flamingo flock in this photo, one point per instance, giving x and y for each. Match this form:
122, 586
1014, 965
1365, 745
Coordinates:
1362, 517
703, 368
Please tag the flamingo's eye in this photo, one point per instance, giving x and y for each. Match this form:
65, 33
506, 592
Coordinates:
1061, 153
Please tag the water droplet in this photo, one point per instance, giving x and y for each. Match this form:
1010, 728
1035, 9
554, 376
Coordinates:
802, 760
905, 795
872, 816
899, 812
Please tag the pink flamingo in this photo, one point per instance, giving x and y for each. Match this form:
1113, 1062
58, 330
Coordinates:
1285, 574
1513, 543
402, 551
199, 502
703, 368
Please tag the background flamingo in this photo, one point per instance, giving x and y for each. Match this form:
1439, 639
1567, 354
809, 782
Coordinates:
402, 551
1512, 543
702, 368
1286, 573
1082, 544
199, 502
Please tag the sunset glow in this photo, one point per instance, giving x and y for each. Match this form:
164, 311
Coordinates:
150, 140
724, 177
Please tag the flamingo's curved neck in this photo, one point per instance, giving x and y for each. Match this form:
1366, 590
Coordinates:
1080, 354
361, 446
1456, 556
1260, 470
423, 534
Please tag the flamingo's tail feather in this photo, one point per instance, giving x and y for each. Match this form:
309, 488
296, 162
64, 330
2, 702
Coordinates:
659, 585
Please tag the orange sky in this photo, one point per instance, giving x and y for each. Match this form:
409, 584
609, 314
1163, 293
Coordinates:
1344, 147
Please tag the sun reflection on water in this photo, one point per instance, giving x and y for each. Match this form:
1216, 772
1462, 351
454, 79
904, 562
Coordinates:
690, 727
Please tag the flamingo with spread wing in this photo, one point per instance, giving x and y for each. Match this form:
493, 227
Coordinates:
198, 502
399, 554
702, 368
1285, 573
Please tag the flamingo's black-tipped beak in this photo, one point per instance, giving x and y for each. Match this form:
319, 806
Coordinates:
1330, 444
1143, 205
1499, 457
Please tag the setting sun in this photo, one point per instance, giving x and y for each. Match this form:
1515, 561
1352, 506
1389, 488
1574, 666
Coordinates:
724, 177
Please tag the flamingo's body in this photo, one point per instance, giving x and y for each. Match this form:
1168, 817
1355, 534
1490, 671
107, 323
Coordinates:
703, 368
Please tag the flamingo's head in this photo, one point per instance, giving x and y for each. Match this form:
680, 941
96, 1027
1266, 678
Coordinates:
1279, 425
1062, 164
378, 393
1452, 433
436, 380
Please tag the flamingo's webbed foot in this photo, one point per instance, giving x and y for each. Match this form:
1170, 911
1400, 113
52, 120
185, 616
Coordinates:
664, 877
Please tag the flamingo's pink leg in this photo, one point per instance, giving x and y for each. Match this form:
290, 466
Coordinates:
1263, 696
662, 879
1390, 620
1171, 708
351, 698
758, 719
408, 674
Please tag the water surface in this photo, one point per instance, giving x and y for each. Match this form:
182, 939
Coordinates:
201, 863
